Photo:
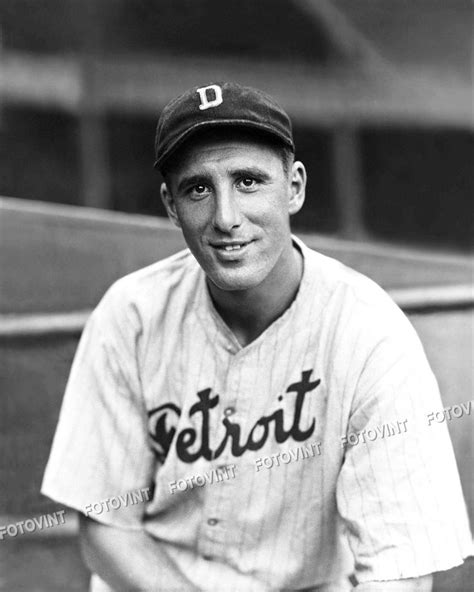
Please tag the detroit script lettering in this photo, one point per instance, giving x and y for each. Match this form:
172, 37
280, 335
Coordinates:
192, 444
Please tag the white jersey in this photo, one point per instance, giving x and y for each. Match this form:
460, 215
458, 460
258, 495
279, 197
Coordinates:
288, 463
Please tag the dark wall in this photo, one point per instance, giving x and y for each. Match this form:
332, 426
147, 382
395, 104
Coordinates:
39, 155
419, 185
195, 27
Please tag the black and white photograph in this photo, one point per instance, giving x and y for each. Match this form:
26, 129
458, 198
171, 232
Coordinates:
236, 295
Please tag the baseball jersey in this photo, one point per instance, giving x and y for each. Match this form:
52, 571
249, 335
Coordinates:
285, 464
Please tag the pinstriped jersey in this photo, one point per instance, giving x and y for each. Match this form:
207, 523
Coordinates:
288, 463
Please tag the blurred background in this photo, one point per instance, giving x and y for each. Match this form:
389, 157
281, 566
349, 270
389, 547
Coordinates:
380, 92
381, 96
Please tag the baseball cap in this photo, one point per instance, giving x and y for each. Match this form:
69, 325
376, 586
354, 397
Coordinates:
223, 104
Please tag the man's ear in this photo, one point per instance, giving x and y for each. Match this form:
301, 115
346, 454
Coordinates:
297, 187
169, 204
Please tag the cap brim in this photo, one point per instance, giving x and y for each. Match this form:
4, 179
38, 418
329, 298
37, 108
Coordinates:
242, 123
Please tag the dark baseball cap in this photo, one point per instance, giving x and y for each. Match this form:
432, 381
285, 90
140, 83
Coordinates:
221, 104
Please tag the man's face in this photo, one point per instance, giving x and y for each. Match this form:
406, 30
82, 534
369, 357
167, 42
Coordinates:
232, 199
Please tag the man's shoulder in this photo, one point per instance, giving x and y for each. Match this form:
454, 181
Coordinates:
338, 277
349, 293
165, 271
154, 284
358, 309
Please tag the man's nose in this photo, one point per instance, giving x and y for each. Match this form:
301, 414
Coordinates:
227, 214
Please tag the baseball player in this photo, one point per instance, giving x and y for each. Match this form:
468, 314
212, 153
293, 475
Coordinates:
271, 400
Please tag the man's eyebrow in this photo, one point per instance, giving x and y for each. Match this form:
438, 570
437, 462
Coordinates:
251, 171
196, 179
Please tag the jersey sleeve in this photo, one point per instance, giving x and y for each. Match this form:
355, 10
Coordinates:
398, 491
100, 449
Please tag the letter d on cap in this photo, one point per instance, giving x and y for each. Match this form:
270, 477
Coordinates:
205, 102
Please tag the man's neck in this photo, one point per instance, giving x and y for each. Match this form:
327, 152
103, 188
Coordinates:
248, 313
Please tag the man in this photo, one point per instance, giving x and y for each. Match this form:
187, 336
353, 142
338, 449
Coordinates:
243, 381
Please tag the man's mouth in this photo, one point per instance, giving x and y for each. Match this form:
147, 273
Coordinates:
230, 246
230, 251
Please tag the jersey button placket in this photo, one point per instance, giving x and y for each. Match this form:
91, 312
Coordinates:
212, 540
226, 459
215, 536
218, 503
228, 411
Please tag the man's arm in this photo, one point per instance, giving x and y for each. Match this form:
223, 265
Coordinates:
129, 561
421, 584
399, 492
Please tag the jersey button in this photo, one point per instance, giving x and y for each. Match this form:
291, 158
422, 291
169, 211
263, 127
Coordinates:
212, 521
229, 411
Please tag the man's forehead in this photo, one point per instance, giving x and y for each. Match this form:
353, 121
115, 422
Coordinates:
226, 157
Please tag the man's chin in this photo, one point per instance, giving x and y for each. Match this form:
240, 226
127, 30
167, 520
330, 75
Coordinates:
232, 282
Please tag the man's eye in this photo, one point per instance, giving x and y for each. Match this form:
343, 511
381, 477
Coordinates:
247, 183
198, 191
